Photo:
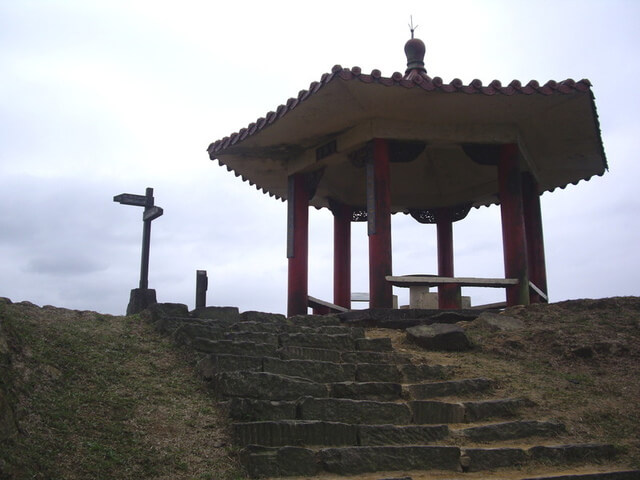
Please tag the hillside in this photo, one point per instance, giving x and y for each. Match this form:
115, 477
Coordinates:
85, 395
97, 396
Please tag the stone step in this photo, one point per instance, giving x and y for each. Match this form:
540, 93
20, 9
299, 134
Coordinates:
265, 386
211, 365
619, 475
320, 433
353, 411
435, 412
292, 460
296, 352
481, 459
230, 347
342, 342
510, 430
319, 371
448, 388
313, 370
289, 461
368, 412
325, 433
383, 391
498, 408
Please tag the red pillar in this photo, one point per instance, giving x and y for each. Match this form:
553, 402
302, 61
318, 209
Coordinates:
535, 238
514, 241
379, 225
448, 295
341, 254
298, 245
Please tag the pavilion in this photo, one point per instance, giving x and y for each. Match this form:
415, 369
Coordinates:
367, 146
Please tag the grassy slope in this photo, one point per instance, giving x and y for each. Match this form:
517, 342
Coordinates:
106, 397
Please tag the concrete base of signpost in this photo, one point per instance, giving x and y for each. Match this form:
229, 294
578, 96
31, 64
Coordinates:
140, 299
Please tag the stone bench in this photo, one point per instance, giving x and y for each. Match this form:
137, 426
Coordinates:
452, 295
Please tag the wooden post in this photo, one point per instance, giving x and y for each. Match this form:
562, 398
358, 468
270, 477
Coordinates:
535, 237
449, 296
298, 245
341, 254
379, 224
202, 283
514, 241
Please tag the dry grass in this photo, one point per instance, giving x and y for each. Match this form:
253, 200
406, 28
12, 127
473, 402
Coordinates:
106, 397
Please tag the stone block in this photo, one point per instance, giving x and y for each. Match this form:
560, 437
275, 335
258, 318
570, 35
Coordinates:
383, 391
490, 458
401, 435
250, 410
208, 367
448, 388
512, 430
431, 412
354, 411
294, 432
374, 344
573, 452
265, 386
500, 408
262, 317
217, 313
292, 352
378, 372
233, 348
354, 460
316, 371
317, 340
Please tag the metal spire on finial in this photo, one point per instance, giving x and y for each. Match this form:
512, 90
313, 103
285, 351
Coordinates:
411, 27
414, 49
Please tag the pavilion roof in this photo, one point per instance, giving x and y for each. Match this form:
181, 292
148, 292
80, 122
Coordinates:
555, 125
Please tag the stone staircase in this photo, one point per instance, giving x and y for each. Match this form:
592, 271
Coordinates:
308, 395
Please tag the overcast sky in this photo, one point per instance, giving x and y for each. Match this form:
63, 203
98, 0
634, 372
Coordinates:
99, 98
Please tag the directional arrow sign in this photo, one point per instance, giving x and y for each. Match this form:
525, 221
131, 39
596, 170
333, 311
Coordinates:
152, 213
131, 199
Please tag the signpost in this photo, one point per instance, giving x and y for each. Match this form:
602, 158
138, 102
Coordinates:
142, 297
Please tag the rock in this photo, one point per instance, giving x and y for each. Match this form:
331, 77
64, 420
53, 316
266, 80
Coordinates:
439, 336
497, 322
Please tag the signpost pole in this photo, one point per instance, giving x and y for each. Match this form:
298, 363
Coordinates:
146, 242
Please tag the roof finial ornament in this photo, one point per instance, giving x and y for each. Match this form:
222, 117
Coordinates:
411, 27
414, 49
